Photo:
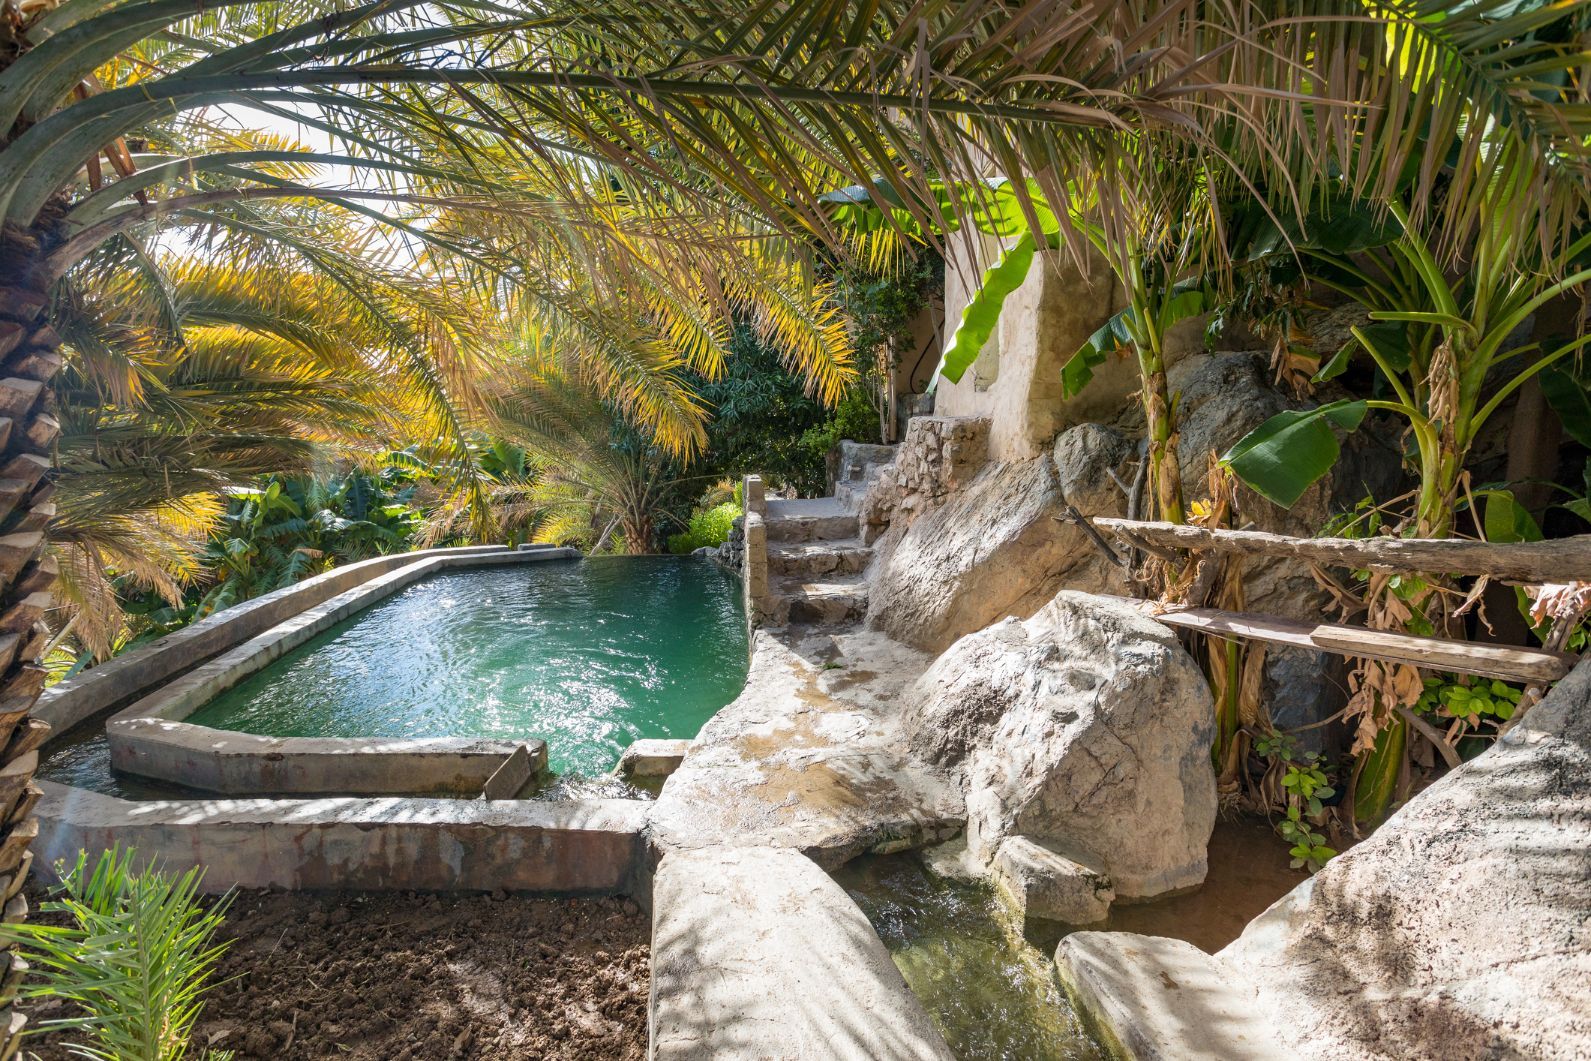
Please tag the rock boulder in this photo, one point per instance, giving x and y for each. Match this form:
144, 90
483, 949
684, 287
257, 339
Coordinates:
1086, 729
998, 547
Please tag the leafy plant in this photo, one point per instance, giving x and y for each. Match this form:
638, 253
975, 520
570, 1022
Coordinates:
1305, 786
707, 527
1309, 848
135, 957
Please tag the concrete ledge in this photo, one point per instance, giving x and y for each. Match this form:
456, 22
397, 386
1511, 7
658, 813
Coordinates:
242, 764
652, 757
587, 847
1157, 999
152, 739
757, 953
119, 680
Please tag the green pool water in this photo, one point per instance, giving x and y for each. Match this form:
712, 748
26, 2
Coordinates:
587, 655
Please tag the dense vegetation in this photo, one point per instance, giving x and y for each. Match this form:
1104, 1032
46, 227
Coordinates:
580, 263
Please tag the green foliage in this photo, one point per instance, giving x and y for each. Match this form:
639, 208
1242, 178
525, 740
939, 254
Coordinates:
1126, 329
1377, 778
982, 312
1308, 846
1469, 699
854, 419
1305, 785
760, 413
135, 956
707, 527
1569, 393
1288, 453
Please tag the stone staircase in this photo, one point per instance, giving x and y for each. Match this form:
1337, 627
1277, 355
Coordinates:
817, 563
804, 560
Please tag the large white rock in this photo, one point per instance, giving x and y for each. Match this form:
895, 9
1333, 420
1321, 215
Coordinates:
1462, 927
757, 954
1087, 728
1460, 930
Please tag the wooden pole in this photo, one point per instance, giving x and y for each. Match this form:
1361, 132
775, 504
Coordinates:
1527, 563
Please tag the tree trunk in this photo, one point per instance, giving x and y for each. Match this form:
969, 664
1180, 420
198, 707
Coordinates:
1165, 470
29, 359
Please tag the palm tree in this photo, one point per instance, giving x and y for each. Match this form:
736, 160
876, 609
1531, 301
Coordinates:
438, 105
247, 373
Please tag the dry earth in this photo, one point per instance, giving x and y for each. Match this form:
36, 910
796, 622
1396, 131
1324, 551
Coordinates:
384, 977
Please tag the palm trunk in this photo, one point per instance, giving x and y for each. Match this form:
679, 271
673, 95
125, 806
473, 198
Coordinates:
29, 359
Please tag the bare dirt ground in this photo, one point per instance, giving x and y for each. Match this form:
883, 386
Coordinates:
404, 977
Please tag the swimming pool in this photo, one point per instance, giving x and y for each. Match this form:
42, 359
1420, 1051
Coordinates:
587, 656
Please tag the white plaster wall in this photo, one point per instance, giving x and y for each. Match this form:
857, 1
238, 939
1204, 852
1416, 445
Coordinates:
1016, 381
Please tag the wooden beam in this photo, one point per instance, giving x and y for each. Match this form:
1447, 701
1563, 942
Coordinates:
1428, 653
1530, 563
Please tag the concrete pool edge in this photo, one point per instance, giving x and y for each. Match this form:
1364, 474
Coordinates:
117, 681
152, 739
578, 847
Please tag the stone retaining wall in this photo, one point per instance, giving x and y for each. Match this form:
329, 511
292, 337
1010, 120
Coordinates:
586, 847
939, 455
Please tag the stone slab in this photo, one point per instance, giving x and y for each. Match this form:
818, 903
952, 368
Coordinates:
1038, 882
652, 757
243, 764
811, 756
512, 778
585, 847
758, 954
1157, 999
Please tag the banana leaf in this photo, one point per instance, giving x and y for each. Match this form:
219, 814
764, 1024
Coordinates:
1377, 779
1288, 453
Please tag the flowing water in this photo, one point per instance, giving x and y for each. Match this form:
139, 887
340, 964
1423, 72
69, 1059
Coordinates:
993, 995
587, 656
991, 988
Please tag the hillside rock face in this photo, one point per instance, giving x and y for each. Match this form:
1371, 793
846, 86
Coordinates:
997, 547
1085, 729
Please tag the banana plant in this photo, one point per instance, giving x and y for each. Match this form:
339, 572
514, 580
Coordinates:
1445, 344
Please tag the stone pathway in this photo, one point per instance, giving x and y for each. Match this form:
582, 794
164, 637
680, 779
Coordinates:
810, 756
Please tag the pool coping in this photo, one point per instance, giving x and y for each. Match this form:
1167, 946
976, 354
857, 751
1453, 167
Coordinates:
153, 739
118, 681
575, 847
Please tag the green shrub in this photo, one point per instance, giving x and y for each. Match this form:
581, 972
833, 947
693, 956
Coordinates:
707, 527
135, 957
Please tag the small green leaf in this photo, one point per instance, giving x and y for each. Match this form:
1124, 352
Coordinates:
1288, 453
1338, 363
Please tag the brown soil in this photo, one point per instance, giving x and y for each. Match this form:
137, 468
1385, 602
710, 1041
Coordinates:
387, 977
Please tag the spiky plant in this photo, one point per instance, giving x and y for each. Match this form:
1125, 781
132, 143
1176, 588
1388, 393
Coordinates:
135, 956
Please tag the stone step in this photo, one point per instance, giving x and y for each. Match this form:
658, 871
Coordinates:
828, 603
847, 556
810, 520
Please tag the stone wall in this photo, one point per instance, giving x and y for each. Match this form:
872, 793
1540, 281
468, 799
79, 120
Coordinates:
939, 455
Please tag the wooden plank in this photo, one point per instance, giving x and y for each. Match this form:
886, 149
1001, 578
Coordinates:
1429, 653
1530, 563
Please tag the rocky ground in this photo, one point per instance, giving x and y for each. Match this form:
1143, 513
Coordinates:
388, 977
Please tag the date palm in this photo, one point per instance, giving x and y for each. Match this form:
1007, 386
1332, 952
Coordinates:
435, 106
